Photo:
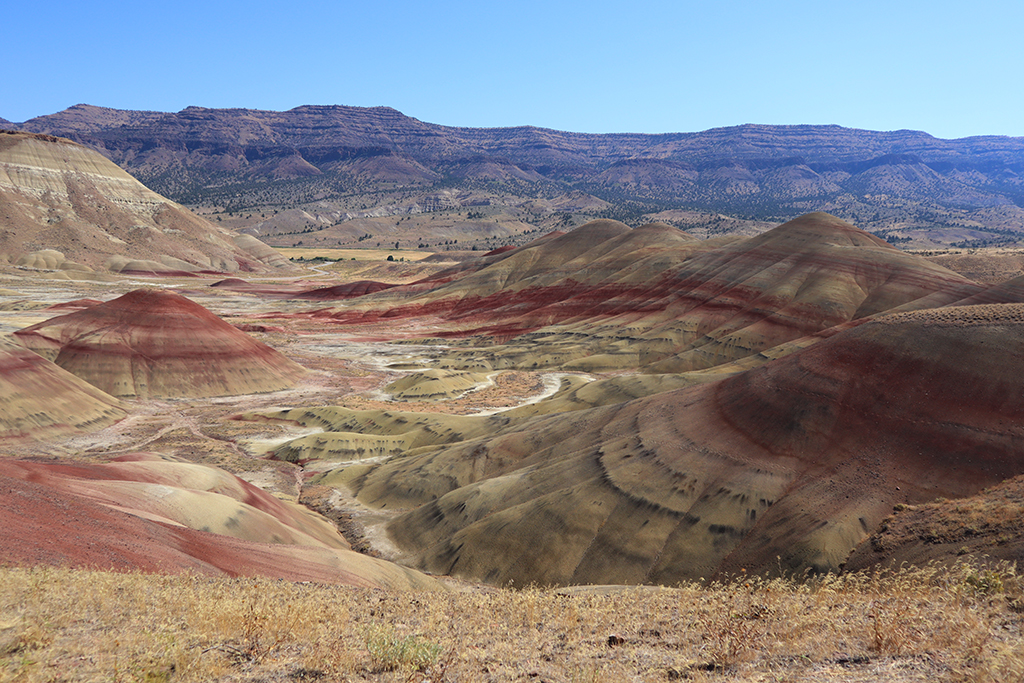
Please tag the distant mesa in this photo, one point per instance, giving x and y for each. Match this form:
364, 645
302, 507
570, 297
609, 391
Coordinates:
157, 344
901, 178
40, 400
92, 219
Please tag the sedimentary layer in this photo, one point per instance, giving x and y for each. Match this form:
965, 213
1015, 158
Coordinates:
155, 343
605, 297
144, 513
40, 400
67, 209
785, 467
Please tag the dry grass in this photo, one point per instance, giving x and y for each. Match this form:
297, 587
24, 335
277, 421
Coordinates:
928, 624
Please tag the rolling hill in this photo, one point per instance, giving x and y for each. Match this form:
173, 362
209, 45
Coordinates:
792, 388
144, 513
66, 209
605, 297
784, 467
158, 344
39, 400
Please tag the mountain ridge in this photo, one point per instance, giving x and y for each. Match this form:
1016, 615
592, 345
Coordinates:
906, 186
94, 118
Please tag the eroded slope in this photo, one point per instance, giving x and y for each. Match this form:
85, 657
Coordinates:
605, 298
39, 400
155, 343
783, 467
149, 514
68, 209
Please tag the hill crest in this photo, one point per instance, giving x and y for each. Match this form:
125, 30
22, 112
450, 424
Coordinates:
69, 209
152, 343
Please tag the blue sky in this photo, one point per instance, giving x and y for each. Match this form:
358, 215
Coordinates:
953, 69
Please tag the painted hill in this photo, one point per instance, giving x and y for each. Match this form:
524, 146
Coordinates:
158, 344
606, 297
65, 208
787, 466
39, 400
145, 513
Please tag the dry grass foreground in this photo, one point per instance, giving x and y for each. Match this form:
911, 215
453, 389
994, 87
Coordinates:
960, 624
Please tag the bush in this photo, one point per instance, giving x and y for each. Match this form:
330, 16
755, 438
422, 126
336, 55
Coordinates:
390, 652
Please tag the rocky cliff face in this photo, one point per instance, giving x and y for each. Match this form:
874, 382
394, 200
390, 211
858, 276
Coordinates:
316, 129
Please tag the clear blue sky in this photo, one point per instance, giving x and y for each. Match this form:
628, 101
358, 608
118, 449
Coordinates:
952, 69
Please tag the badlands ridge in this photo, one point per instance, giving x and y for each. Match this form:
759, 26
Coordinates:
754, 404
601, 406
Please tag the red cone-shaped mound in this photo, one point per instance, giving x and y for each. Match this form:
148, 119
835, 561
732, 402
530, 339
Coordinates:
157, 344
39, 400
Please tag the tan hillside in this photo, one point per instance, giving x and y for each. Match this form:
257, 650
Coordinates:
432, 385
39, 400
788, 466
605, 298
358, 434
66, 208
